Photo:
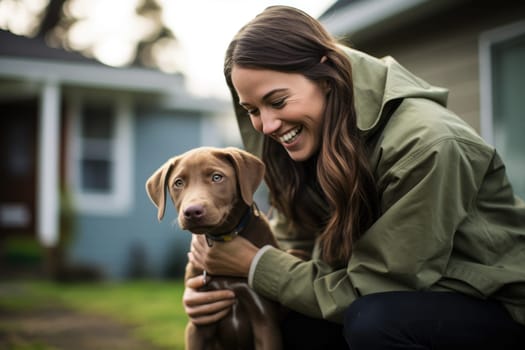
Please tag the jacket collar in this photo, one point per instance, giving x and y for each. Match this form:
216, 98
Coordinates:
380, 81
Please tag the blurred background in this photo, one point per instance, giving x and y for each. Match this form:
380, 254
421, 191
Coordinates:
95, 95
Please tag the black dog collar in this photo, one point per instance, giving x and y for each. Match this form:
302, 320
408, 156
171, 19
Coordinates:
228, 236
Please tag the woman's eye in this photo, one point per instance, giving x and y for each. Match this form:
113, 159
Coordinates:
216, 177
179, 183
279, 103
253, 111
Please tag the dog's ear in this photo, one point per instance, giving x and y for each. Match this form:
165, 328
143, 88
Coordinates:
156, 186
249, 169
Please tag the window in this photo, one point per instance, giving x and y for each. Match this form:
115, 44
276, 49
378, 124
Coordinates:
100, 166
502, 53
98, 135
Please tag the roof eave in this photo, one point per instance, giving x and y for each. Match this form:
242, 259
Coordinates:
367, 18
89, 75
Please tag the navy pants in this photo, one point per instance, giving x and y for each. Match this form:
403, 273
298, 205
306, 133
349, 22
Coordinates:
411, 320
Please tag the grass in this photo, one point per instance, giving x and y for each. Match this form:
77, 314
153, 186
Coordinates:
154, 308
23, 344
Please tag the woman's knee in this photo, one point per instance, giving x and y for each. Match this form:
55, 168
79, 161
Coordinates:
368, 322
424, 320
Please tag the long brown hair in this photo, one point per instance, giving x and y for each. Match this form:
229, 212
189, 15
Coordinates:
286, 39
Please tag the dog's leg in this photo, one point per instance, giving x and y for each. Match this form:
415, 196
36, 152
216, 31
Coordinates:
191, 340
264, 318
200, 338
267, 336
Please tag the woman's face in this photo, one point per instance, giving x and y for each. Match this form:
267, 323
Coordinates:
284, 106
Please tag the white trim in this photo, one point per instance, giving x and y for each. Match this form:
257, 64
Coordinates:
48, 196
486, 41
168, 90
91, 75
124, 151
120, 199
73, 140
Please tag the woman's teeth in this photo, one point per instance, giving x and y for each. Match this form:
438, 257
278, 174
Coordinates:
290, 136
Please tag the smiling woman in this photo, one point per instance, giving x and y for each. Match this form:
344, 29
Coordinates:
394, 201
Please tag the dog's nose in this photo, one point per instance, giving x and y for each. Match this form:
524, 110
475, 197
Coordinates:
194, 212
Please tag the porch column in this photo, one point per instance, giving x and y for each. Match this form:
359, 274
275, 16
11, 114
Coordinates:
48, 193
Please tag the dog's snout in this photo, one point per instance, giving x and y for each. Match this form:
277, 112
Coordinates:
194, 212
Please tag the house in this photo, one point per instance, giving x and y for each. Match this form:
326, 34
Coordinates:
78, 141
476, 49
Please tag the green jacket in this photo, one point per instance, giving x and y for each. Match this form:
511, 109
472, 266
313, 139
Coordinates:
449, 222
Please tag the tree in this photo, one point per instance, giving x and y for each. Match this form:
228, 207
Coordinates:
51, 17
130, 32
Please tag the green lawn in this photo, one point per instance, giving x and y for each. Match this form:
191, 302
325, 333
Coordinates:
154, 307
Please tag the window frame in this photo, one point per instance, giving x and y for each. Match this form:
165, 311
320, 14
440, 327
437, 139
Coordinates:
487, 40
118, 200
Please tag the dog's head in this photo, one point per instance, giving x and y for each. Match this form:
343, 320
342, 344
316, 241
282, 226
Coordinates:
208, 181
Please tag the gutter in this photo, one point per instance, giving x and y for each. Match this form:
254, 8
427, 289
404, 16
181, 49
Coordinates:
366, 18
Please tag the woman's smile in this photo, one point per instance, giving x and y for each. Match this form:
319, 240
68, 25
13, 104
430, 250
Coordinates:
291, 136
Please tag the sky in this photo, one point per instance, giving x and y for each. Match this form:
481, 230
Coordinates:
111, 29
204, 29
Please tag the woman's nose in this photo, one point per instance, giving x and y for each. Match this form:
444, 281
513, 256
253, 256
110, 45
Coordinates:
270, 123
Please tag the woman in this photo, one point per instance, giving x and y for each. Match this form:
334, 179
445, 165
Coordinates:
416, 238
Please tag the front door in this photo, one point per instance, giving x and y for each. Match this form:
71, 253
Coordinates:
18, 139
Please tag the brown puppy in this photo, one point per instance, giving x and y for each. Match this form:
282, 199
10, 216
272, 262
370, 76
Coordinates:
212, 190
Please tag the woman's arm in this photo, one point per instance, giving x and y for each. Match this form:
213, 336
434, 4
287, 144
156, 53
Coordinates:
425, 197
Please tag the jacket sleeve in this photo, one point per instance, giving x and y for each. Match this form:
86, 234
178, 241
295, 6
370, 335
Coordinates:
286, 237
425, 196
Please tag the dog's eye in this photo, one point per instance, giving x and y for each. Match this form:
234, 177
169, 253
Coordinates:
216, 177
178, 183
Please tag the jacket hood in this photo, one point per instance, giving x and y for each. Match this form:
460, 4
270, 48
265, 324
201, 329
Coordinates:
376, 82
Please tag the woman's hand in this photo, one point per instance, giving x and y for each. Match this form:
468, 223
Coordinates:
228, 259
231, 258
206, 307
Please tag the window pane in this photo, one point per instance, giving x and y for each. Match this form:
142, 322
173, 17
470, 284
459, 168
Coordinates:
96, 176
97, 149
98, 133
97, 121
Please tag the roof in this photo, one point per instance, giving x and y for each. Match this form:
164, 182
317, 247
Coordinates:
360, 18
31, 59
20, 46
